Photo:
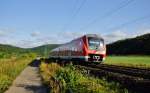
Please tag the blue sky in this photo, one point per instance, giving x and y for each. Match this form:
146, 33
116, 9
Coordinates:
30, 23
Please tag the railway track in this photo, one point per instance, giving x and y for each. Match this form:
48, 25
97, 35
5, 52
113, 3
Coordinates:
135, 72
135, 79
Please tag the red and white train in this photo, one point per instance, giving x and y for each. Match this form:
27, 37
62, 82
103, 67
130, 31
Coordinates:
88, 48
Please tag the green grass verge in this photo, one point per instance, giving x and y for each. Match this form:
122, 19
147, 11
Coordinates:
68, 78
137, 61
10, 68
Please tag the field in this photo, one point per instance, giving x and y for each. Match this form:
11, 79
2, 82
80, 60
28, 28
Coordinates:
137, 61
11, 68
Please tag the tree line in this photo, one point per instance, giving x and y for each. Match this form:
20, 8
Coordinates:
139, 45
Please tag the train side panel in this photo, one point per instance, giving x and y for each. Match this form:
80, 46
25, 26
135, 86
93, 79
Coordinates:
79, 50
74, 50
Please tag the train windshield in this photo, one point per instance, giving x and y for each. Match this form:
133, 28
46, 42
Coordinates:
95, 44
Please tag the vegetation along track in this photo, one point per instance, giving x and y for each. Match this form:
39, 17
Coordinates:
135, 79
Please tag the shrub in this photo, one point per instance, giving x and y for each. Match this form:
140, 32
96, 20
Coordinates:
69, 79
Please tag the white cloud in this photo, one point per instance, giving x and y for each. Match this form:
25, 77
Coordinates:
57, 38
63, 37
119, 35
6, 31
38, 42
8, 41
35, 34
114, 36
71, 35
50, 39
2, 33
141, 32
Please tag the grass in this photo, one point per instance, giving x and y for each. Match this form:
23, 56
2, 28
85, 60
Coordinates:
137, 61
10, 68
69, 79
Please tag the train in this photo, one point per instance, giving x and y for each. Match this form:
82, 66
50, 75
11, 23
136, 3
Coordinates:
89, 48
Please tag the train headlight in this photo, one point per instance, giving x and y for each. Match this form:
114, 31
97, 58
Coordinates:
101, 44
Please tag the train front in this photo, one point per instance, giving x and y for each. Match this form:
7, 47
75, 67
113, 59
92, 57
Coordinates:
96, 48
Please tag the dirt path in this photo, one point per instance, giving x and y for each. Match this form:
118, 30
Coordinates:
29, 81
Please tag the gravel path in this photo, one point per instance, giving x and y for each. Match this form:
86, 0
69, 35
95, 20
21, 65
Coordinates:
29, 81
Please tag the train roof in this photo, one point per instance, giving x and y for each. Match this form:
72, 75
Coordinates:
89, 35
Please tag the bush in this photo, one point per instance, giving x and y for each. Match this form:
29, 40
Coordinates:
69, 79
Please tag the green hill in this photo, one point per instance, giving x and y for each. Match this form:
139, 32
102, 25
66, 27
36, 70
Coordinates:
139, 45
7, 51
44, 49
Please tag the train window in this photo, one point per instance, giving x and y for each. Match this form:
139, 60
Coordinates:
95, 44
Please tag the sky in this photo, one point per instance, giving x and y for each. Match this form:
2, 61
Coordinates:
31, 23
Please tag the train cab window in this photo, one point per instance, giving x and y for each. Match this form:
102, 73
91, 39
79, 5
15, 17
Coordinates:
95, 44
